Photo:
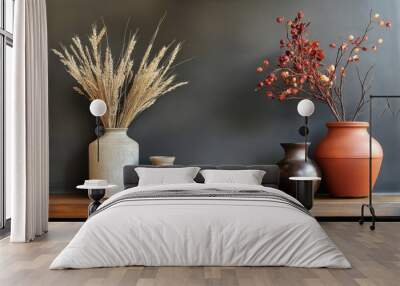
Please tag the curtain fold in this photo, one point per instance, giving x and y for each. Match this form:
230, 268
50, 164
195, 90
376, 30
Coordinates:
27, 124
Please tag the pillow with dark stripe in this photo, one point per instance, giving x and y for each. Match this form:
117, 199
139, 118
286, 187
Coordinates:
166, 176
246, 177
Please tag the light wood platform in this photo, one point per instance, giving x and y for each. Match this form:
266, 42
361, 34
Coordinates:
74, 206
375, 257
384, 204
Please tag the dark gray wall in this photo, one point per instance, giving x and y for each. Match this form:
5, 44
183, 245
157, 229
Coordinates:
217, 118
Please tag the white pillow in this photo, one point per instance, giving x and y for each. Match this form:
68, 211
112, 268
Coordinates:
248, 177
166, 176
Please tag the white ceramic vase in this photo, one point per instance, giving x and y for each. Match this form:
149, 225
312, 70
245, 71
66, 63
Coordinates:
117, 150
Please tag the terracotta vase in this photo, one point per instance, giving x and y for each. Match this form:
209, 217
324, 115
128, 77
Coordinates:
343, 156
295, 165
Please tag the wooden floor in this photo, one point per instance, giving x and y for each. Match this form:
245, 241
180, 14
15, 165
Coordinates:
75, 206
375, 257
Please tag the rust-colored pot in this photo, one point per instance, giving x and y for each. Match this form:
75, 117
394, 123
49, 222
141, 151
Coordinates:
343, 156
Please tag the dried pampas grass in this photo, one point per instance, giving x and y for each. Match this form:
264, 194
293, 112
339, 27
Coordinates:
126, 93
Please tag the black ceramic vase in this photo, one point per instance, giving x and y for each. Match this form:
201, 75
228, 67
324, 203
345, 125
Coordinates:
295, 165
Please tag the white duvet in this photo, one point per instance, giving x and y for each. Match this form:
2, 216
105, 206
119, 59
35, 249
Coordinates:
205, 231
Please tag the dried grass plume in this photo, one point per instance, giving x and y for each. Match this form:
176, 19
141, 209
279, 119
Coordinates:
126, 92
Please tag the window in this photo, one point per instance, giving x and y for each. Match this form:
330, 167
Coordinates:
6, 66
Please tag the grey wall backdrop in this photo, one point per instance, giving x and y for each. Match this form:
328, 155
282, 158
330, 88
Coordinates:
217, 118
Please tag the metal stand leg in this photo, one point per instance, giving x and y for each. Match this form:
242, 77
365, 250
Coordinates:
373, 216
361, 221
372, 210
369, 205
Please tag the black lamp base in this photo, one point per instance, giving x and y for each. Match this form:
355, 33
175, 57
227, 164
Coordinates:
95, 195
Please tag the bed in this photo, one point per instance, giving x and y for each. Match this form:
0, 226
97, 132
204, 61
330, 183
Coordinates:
201, 224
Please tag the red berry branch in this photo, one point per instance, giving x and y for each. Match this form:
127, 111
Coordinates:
301, 73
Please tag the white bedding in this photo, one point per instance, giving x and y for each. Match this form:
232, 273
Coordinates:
200, 231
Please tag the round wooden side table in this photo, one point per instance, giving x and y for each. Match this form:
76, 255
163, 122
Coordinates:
95, 194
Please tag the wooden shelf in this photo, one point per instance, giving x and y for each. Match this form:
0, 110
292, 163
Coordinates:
68, 206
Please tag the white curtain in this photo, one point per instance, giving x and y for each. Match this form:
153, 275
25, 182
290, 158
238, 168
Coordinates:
27, 173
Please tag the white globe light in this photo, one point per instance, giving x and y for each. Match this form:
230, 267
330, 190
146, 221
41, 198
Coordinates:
98, 107
305, 108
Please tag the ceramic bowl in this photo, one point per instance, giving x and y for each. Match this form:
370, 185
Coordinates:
162, 160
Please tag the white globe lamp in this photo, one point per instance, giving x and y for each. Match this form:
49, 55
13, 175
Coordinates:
98, 108
305, 108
